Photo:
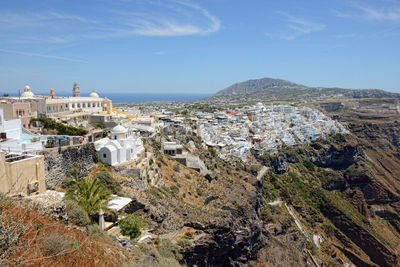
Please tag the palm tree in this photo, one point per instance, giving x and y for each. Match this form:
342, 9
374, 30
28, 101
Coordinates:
90, 194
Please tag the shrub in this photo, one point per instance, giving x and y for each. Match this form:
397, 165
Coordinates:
96, 232
328, 229
199, 191
212, 152
169, 250
56, 244
187, 176
61, 128
184, 242
76, 214
177, 168
100, 125
266, 215
309, 165
174, 190
49, 145
108, 181
11, 231
189, 233
131, 225
96, 158
312, 247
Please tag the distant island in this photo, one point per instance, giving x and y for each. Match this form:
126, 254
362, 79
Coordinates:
269, 89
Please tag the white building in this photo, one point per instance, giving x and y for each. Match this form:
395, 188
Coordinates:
14, 138
120, 147
52, 106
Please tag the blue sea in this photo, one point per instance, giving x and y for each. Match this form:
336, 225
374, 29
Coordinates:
137, 97
140, 97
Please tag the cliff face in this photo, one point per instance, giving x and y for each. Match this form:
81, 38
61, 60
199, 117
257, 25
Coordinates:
233, 240
58, 162
221, 209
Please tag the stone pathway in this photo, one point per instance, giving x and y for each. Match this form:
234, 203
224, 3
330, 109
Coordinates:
262, 172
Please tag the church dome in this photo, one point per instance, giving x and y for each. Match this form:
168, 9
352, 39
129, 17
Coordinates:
27, 92
94, 95
119, 129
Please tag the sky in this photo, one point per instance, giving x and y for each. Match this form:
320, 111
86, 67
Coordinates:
203, 46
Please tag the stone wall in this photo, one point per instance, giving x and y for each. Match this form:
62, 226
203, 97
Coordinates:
58, 162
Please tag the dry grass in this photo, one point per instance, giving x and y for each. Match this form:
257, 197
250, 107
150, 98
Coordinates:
32, 247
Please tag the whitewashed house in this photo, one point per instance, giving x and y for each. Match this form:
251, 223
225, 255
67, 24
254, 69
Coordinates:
15, 138
120, 147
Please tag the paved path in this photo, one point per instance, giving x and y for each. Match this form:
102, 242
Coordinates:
261, 173
277, 202
297, 221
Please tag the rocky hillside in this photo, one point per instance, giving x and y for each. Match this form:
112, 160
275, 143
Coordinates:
338, 197
268, 89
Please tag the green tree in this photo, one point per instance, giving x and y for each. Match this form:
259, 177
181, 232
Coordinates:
131, 225
90, 194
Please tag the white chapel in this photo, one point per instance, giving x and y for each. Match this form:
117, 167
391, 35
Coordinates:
121, 147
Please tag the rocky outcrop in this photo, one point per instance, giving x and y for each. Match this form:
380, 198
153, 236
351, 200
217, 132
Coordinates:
231, 243
334, 156
278, 165
233, 240
50, 204
58, 162
332, 106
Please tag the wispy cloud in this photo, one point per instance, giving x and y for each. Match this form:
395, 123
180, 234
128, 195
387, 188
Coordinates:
23, 30
296, 27
380, 13
22, 53
167, 18
148, 18
377, 12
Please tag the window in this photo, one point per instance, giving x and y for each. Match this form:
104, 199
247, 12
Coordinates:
104, 155
115, 137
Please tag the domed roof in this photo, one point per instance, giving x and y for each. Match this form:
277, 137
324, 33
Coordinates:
27, 88
94, 94
27, 94
119, 129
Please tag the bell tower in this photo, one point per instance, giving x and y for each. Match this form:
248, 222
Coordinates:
76, 91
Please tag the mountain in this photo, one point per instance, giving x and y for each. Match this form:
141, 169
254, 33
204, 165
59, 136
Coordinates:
253, 86
267, 89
